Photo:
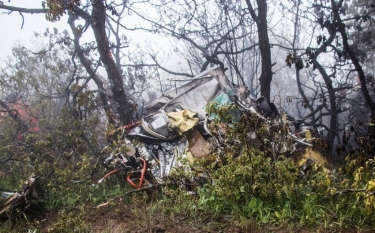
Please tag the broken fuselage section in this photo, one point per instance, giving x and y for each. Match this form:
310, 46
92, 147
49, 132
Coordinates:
178, 131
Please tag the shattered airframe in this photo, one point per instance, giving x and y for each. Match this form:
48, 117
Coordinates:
178, 130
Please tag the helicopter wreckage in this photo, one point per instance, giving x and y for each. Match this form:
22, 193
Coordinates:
180, 131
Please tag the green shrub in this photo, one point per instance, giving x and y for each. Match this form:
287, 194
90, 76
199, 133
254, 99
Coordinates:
70, 222
248, 184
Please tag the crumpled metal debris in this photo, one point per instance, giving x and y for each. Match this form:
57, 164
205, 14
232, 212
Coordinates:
13, 203
176, 132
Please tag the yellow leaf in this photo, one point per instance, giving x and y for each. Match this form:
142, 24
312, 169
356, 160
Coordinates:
371, 185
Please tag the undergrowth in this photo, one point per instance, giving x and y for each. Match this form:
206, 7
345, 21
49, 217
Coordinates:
250, 184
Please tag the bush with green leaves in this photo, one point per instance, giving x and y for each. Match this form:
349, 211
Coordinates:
70, 222
62, 155
250, 185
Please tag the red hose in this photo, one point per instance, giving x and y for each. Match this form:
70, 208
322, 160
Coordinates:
126, 127
130, 126
143, 174
108, 174
130, 181
139, 186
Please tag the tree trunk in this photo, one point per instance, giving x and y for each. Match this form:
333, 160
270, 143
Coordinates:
91, 72
331, 92
122, 106
333, 122
264, 46
361, 75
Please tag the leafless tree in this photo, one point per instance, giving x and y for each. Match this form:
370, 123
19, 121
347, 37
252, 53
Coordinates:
208, 32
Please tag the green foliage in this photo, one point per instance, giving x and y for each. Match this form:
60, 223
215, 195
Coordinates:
64, 153
244, 130
70, 222
58, 8
222, 112
246, 183
179, 201
112, 187
251, 186
61, 157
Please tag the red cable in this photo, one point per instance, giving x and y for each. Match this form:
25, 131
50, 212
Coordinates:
142, 177
126, 127
108, 174
130, 181
130, 126
143, 174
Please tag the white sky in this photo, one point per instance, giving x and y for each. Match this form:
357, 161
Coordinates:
11, 32
10, 27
